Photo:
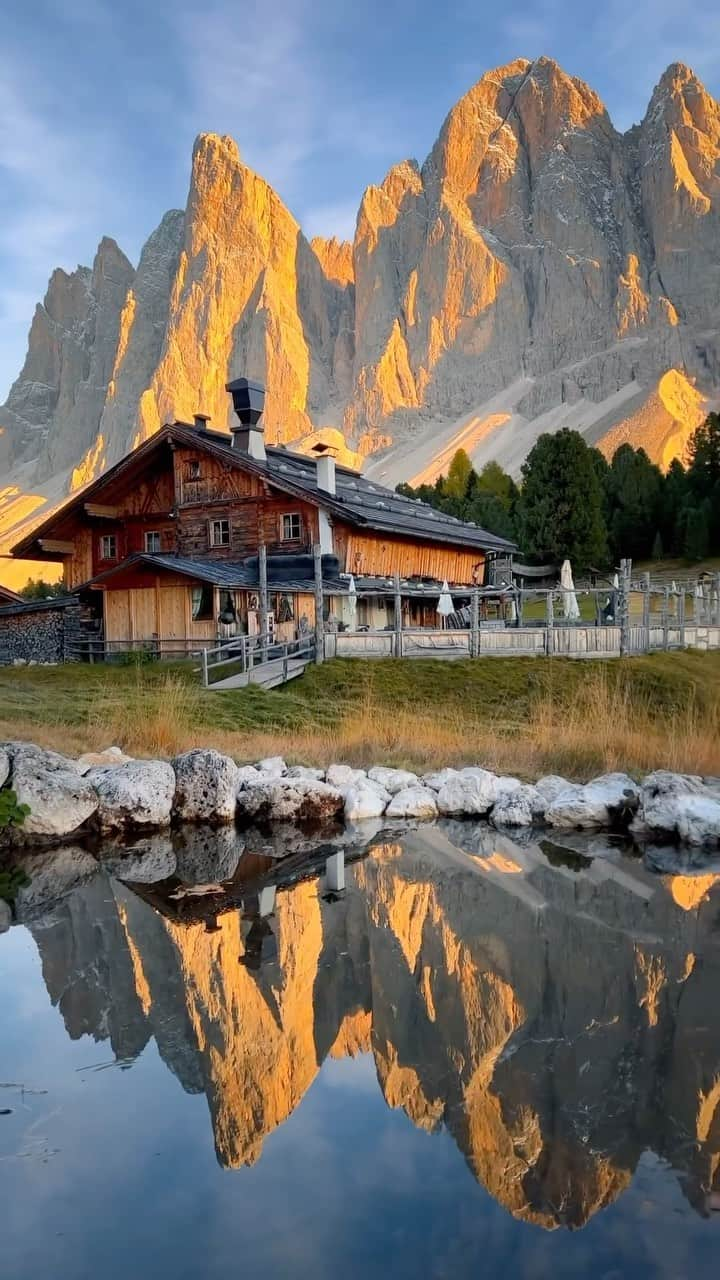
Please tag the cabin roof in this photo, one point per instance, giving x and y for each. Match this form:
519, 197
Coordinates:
358, 501
9, 597
234, 575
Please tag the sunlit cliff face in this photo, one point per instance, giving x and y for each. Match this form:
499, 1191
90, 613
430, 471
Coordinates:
558, 1024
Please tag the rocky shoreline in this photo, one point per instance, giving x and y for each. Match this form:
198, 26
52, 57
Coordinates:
108, 793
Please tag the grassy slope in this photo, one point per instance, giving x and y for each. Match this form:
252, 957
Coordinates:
528, 715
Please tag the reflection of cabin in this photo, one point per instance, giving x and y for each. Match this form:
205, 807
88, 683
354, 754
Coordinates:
175, 542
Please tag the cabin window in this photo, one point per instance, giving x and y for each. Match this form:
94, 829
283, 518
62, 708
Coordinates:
152, 540
193, 472
227, 612
202, 604
291, 527
108, 547
219, 533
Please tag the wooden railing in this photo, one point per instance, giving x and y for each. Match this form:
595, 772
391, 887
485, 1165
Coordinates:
250, 652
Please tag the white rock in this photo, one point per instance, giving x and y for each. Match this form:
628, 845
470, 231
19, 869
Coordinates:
693, 817
507, 786
364, 800
5, 916
249, 776
471, 792
206, 786
306, 771
143, 862
135, 795
52, 876
4, 766
60, 800
663, 783
436, 781
290, 799
393, 780
520, 807
413, 802
344, 776
275, 766
606, 801
110, 758
551, 786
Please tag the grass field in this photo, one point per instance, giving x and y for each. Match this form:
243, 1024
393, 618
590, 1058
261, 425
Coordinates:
521, 714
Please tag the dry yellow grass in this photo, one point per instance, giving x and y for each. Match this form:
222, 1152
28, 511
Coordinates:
599, 722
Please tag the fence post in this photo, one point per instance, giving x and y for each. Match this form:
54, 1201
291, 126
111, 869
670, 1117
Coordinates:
646, 610
681, 616
475, 624
319, 625
262, 573
717, 599
204, 663
666, 617
398, 618
549, 624
624, 606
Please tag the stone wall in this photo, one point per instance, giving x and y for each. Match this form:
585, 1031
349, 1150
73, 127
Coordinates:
39, 631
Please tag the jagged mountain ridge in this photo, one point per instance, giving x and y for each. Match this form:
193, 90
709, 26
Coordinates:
540, 269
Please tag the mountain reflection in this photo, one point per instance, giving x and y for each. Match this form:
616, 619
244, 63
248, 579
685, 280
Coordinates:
557, 1013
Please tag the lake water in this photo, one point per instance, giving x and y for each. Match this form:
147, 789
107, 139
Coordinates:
484, 1058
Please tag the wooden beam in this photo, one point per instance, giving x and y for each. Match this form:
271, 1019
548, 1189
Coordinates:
99, 512
319, 624
57, 546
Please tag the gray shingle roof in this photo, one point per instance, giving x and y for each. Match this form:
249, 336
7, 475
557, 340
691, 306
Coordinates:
364, 502
222, 573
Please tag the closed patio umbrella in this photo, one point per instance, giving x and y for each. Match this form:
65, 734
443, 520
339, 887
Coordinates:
445, 604
570, 604
699, 602
352, 602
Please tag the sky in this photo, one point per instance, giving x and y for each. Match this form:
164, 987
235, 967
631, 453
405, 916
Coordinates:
100, 101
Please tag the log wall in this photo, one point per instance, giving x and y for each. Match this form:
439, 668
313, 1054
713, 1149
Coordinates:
385, 555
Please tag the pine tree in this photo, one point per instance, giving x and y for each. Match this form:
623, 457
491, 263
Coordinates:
657, 547
560, 511
458, 477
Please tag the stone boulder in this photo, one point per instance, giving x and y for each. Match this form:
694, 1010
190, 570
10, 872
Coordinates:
689, 816
134, 796
521, 806
413, 802
4, 766
52, 875
273, 766
608, 801
145, 861
110, 758
365, 800
206, 786
60, 800
248, 776
551, 786
470, 792
344, 776
436, 781
307, 772
5, 916
290, 800
393, 780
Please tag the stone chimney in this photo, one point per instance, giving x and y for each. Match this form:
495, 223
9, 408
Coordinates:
248, 402
325, 470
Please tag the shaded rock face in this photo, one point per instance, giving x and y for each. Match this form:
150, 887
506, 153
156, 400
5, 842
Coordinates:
538, 260
478, 973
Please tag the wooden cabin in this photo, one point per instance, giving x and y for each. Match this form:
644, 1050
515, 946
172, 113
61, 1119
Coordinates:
197, 536
8, 597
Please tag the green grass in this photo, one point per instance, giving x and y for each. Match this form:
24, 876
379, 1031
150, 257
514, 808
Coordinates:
524, 714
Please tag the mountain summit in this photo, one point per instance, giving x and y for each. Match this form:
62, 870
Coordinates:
539, 269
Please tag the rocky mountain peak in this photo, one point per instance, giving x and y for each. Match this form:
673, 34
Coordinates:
538, 269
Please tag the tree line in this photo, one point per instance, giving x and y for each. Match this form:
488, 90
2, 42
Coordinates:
572, 502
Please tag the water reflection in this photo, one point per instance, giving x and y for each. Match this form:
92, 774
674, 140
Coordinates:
552, 1005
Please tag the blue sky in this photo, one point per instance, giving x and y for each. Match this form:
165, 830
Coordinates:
100, 101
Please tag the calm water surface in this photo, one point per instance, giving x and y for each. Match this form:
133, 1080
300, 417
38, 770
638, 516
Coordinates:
482, 1059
